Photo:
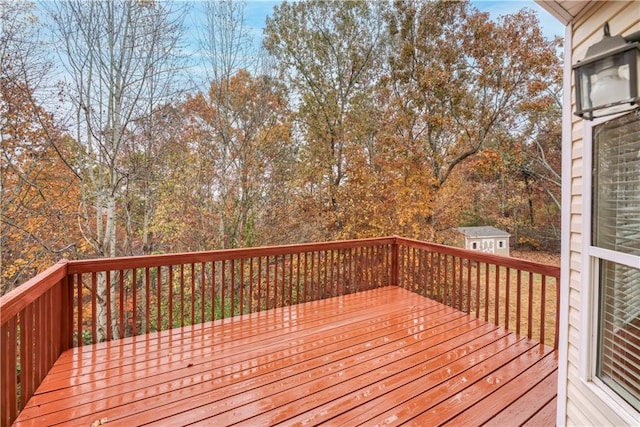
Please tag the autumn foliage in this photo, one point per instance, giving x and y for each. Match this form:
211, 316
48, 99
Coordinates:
39, 193
374, 118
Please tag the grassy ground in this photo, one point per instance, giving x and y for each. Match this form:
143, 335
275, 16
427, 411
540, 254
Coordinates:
541, 257
536, 297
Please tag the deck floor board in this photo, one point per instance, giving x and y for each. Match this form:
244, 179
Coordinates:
384, 356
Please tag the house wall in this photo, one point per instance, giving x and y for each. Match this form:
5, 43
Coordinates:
584, 403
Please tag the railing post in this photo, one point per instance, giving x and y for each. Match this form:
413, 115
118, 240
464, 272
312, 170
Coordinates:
66, 312
395, 261
557, 329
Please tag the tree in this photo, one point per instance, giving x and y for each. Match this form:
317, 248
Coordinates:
458, 80
518, 172
148, 159
329, 53
226, 42
234, 123
119, 56
37, 197
239, 146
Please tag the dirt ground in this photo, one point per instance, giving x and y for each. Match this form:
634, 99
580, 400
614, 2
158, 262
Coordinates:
538, 256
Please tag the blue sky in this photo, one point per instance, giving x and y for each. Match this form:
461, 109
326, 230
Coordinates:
551, 26
257, 11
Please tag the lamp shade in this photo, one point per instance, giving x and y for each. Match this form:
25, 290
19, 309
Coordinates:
607, 78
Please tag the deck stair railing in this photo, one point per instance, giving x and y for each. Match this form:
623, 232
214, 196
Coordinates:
76, 303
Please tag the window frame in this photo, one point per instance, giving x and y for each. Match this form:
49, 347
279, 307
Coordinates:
589, 295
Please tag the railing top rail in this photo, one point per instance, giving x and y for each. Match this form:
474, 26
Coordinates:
122, 263
516, 263
17, 299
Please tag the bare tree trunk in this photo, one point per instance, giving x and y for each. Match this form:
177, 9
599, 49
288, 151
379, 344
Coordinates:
228, 46
111, 50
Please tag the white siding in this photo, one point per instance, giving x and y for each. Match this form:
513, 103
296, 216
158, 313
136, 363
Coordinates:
583, 405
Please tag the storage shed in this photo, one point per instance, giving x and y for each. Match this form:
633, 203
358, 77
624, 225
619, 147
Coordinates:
486, 239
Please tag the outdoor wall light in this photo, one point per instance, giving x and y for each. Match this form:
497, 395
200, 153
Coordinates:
607, 78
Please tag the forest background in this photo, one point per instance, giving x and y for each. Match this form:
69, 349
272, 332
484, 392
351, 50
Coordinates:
352, 119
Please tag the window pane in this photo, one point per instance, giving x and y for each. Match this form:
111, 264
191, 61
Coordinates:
619, 335
616, 189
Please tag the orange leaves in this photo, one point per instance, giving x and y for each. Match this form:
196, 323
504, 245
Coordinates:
39, 192
234, 148
487, 163
406, 118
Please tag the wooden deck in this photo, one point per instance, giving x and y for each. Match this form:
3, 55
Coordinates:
384, 356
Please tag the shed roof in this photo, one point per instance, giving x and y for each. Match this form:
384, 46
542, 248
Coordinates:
483, 231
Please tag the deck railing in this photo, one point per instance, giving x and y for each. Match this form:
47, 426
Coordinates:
35, 331
76, 303
520, 295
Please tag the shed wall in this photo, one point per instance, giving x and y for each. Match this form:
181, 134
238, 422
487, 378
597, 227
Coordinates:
489, 245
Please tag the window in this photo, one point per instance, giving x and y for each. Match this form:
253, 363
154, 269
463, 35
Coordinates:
474, 245
501, 244
615, 254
